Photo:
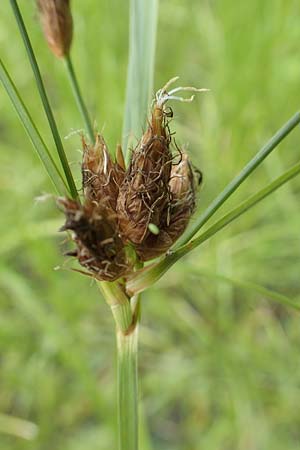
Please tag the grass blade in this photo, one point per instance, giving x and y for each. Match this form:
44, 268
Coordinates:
79, 99
241, 177
146, 277
36, 139
142, 39
44, 98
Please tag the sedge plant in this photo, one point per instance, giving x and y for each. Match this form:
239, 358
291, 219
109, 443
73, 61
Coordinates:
130, 221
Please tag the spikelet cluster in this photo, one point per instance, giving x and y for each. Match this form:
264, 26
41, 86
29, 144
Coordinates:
145, 208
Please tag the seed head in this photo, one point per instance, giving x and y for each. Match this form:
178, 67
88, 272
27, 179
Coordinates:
101, 177
99, 248
144, 192
176, 214
149, 197
57, 23
142, 210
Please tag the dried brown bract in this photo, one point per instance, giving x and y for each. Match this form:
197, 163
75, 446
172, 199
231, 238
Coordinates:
177, 213
99, 248
101, 177
144, 192
149, 198
57, 23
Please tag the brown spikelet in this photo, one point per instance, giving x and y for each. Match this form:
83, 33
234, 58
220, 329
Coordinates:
176, 215
99, 248
57, 23
144, 192
101, 177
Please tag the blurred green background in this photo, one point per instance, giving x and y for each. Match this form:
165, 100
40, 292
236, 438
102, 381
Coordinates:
219, 361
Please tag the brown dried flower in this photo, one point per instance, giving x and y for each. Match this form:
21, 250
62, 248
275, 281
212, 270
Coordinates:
101, 177
57, 23
141, 210
177, 213
156, 200
99, 248
144, 192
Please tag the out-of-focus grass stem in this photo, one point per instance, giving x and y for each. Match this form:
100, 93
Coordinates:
78, 97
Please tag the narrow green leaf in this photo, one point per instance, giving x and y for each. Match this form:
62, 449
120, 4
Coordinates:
144, 278
242, 208
44, 98
240, 178
142, 39
36, 139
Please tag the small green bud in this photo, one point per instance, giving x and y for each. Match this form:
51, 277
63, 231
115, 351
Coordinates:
153, 228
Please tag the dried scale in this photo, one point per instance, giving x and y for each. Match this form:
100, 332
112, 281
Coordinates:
144, 193
176, 215
145, 208
101, 177
57, 23
94, 226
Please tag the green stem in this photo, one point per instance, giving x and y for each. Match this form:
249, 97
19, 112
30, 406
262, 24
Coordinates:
127, 346
241, 177
78, 97
119, 304
44, 98
126, 314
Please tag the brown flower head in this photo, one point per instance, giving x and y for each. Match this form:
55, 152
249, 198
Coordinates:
99, 248
177, 213
149, 197
144, 192
94, 226
142, 210
101, 177
57, 23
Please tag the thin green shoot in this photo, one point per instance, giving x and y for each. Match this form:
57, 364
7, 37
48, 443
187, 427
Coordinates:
79, 99
44, 99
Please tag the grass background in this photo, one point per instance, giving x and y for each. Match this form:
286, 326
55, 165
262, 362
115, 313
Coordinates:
219, 361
